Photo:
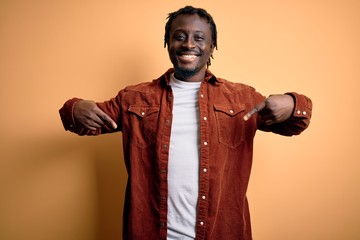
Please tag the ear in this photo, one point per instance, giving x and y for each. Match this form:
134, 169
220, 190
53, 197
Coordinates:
212, 47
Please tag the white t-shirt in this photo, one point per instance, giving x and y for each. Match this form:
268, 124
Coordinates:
183, 169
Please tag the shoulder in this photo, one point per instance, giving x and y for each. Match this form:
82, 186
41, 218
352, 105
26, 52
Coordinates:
151, 86
238, 92
144, 87
234, 87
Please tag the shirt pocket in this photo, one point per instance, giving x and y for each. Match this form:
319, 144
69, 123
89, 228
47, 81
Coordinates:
230, 123
143, 124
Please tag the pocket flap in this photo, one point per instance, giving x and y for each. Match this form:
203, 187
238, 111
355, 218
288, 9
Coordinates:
230, 110
143, 111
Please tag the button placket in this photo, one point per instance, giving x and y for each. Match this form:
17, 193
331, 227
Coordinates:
163, 161
204, 158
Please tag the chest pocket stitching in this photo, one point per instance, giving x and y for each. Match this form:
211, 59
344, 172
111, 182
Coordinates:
143, 124
143, 111
229, 122
230, 110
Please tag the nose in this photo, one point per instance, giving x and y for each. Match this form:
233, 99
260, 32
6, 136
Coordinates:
189, 43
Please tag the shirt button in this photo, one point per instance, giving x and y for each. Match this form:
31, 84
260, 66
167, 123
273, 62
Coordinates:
205, 118
203, 197
201, 95
205, 170
165, 146
205, 143
231, 111
163, 170
71, 125
304, 112
201, 223
143, 113
298, 112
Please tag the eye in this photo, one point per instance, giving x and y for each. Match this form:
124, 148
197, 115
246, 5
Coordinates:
199, 38
179, 37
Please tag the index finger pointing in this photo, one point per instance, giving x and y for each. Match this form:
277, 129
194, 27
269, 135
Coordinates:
106, 118
109, 121
256, 109
249, 114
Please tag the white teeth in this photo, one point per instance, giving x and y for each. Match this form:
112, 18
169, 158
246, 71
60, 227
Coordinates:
189, 56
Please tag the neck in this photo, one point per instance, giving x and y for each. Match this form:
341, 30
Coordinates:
190, 76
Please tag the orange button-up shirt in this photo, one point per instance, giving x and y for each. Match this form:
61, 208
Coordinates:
143, 114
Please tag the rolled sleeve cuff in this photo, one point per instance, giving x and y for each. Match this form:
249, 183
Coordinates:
67, 114
303, 105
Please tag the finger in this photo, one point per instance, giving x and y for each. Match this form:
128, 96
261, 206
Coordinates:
93, 123
106, 119
109, 121
90, 125
91, 128
96, 122
249, 114
269, 122
256, 109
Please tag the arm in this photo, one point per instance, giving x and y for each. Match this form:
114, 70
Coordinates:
288, 114
85, 117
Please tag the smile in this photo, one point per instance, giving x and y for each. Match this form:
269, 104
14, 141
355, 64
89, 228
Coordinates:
187, 57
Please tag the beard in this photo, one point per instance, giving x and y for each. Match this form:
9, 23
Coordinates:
183, 73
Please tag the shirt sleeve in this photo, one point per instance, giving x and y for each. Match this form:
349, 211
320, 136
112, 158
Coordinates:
297, 122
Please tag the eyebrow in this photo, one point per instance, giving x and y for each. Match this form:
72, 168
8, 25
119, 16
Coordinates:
182, 30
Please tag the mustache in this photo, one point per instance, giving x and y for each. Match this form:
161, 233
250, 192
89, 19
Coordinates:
187, 51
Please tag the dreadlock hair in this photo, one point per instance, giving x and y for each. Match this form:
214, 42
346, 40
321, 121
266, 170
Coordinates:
191, 10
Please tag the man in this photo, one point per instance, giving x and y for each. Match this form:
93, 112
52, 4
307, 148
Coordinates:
188, 139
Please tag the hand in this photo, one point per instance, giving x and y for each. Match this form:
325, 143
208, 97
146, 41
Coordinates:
88, 114
274, 109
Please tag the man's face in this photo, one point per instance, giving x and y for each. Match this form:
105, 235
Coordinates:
190, 45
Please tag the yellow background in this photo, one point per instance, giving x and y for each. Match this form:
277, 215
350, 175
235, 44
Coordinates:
55, 185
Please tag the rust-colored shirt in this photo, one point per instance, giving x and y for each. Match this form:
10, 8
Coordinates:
144, 116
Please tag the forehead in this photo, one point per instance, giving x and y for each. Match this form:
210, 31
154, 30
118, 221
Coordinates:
190, 22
